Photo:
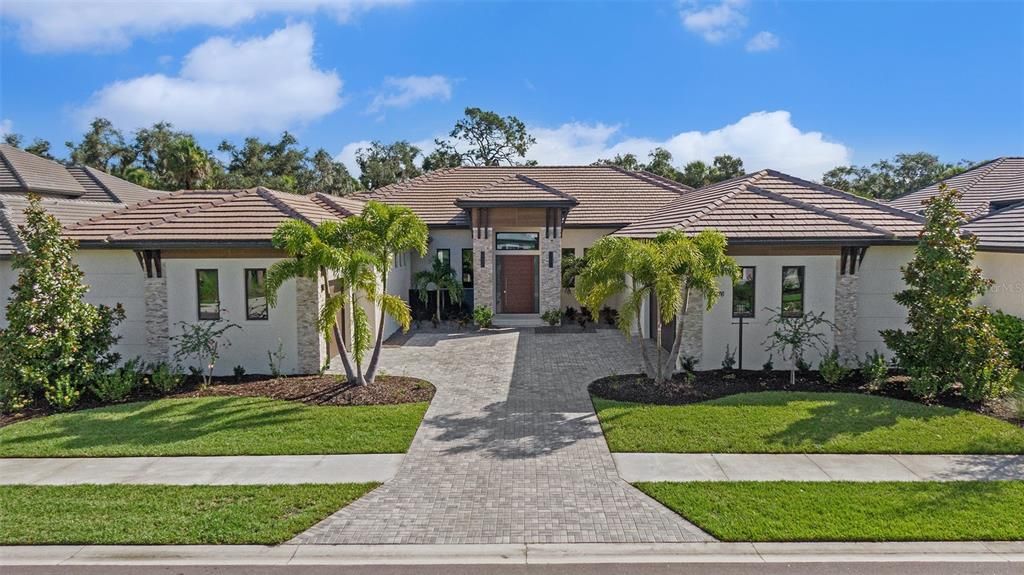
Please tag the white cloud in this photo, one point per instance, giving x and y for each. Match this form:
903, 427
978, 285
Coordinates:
763, 42
715, 22
347, 156
226, 86
6, 127
762, 139
403, 92
59, 25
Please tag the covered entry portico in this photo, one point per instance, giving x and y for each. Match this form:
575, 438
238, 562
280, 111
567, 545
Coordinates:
517, 245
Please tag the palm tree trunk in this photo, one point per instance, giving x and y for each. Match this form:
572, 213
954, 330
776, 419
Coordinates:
371, 369
677, 345
659, 372
438, 304
342, 349
643, 348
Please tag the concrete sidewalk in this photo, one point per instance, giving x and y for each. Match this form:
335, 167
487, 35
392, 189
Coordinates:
513, 554
233, 470
635, 467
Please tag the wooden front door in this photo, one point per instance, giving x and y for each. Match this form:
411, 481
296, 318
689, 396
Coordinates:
517, 283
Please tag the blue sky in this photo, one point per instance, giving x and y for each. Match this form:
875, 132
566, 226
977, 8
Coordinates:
799, 86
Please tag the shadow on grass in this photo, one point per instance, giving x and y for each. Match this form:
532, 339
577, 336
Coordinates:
152, 423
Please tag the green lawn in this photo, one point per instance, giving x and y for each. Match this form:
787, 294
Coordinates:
797, 422
166, 514
215, 426
808, 511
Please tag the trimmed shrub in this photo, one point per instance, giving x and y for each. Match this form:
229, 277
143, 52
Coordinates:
164, 378
553, 317
483, 316
874, 369
1010, 329
831, 369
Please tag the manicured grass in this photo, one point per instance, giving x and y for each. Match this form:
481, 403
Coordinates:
166, 514
215, 426
797, 422
808, 511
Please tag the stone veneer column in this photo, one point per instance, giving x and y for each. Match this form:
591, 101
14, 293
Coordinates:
693, 329
483, 275
158, 330
846, 316
551, 276
312, 347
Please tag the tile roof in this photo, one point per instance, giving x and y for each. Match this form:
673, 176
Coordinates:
606, 195
67, 212
772, 206
208, 217
999, 180
519, 190
24, 172
1000, 230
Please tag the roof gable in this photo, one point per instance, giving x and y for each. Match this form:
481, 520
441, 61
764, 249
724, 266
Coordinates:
516, 189
31, 173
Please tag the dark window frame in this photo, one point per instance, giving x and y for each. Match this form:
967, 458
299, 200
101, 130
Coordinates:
248, 312
802, 274
753, 293
497, 242
568, 252
467, 268
447, 255
199, 295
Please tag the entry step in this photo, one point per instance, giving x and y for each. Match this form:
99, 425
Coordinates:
517, 320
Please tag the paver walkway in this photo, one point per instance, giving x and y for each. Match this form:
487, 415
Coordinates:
510, 450
232, 470
635, 467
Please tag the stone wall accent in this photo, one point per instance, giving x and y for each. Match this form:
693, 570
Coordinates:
551, 276
312, 347
847, 286
693, 330
483, 276
158, 328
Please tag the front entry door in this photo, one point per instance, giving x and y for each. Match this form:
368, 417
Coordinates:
517, 284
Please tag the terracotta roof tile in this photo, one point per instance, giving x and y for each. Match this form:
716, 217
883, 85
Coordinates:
999, 180
206, 216
29, 172
518, 189
606, 195
772, 205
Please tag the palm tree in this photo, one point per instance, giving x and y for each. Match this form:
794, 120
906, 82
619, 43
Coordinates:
322, 253
670, 267
443, 278
383, 230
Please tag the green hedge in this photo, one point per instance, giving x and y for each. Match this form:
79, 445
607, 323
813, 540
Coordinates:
1010, 329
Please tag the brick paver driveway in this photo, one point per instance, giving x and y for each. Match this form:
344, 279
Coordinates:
510, 450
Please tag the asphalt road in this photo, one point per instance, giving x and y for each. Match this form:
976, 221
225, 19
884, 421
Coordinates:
590, 569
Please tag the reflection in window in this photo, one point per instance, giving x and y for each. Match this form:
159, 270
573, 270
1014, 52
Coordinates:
467, 268
208, 290
517, 241
445, 255
743, 294
792, 291
256, 294
568, 253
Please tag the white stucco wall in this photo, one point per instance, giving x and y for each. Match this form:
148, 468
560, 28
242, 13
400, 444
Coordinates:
1007, 271
115, 277
249, 345
399, 278
880, 279
719, 331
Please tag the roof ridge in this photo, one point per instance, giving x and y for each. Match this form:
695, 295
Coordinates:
10, 166
1012, 206
332, 204
846, 195
397, 186
660, 181
820, 210
125, 207
178, 214
991, 164
270, 196
709, 207
12, 231
89, 173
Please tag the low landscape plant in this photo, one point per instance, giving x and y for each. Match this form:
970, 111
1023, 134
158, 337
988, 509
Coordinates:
768, 366
553, 317
483, 316
165, 378
729, 361
874, 369
1010, 329
204, 342
275, 358
832, 369
119, 383
239, 373
609, 315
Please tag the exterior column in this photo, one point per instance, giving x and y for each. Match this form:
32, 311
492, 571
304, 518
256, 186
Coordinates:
847, 286
693, 329
158, 329
551, 267
483, 259
312, 347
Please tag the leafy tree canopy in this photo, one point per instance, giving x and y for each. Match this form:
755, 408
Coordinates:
385, 164
887, 179
485, 138
695, 174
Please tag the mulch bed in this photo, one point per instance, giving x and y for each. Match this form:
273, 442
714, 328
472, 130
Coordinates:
324, 390
708, 385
